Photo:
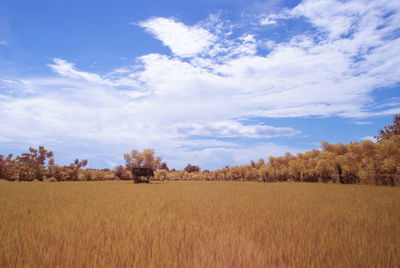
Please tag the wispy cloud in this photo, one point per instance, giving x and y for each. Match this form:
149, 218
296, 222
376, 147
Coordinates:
235, 129
67, 69
274, 18
362, 123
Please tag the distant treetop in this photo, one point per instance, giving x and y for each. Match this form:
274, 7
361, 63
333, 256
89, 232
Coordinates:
390, 130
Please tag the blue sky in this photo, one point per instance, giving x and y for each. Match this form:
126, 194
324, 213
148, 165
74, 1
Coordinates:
212, 83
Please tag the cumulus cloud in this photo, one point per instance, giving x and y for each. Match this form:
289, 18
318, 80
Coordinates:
87, 115
183, 40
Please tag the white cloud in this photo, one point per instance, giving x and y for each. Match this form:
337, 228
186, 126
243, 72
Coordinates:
364, 114
214, 158
361, 123
273, 18
370, 138
267, 21
62, 111
183, 40
350, 18
235, 129
121, 77
67, 69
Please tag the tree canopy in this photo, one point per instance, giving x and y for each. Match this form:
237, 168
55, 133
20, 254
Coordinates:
145, 159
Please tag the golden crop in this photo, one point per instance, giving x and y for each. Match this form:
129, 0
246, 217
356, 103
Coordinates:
198, 224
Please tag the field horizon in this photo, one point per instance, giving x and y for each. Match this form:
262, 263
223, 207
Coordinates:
198, 224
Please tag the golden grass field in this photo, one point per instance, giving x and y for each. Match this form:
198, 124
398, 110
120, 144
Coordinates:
198, 224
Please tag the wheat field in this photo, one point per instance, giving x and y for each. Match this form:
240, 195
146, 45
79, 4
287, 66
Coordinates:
198, 224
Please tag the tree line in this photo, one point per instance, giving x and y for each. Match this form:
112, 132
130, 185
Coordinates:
39, 165
363, 162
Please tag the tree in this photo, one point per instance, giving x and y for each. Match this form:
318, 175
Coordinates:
122, 173
252, 163
32, 164
74, 169
390, 130
260, 163
338, 150
145, 159
370, 162
9, 168
326, 165
389, 160
164, 165
191, 168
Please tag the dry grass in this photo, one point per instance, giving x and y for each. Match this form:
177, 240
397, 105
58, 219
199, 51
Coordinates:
198, 224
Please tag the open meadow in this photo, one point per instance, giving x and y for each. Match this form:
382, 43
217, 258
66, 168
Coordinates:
198, 224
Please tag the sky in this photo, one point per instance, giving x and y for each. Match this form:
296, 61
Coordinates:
211, 83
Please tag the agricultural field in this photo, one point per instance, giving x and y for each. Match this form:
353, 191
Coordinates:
198, 224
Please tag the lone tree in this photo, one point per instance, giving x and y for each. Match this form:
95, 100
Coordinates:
192, 168
136, 160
